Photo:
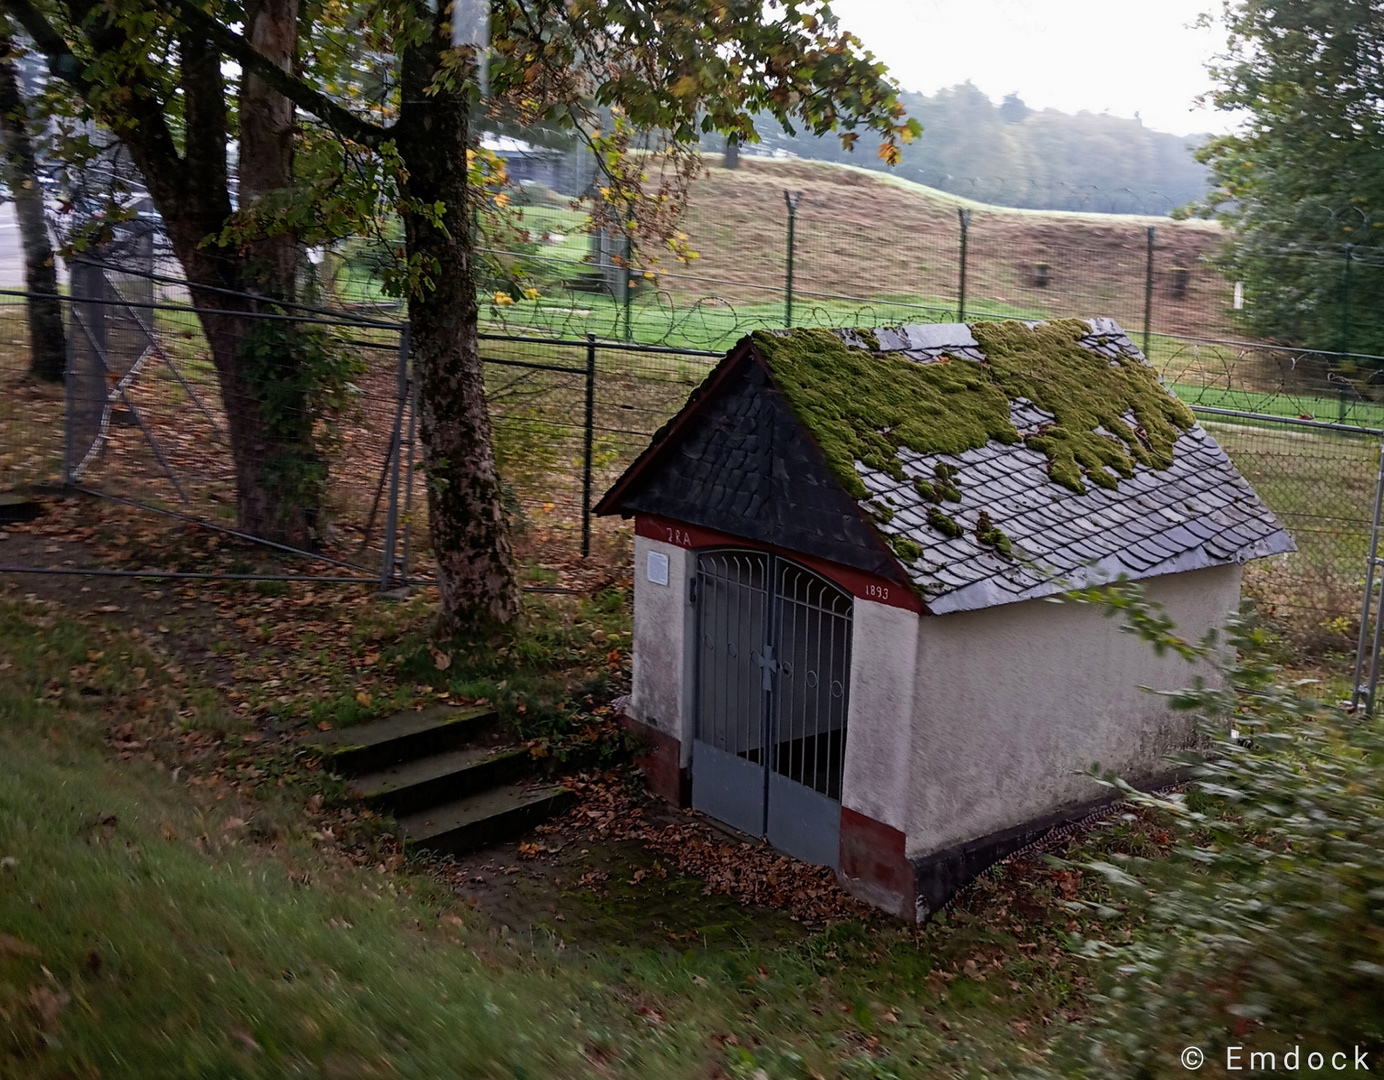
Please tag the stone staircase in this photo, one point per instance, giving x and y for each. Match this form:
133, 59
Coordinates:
446, 775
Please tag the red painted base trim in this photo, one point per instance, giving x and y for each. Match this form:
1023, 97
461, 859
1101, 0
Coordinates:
873, 864
660, 762
858, 583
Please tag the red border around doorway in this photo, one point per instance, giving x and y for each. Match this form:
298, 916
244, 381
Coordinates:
859, 583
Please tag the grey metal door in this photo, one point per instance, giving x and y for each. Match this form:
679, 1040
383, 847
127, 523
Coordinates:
773, 675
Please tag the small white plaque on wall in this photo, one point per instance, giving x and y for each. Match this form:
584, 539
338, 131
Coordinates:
656, 569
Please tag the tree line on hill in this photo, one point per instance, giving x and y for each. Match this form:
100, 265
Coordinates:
1012, 155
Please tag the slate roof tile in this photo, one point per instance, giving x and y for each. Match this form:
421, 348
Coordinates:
1198, 512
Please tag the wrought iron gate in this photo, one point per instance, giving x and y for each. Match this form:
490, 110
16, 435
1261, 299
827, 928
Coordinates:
773, 684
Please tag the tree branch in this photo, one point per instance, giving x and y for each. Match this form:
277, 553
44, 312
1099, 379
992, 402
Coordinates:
233, 45
62, 62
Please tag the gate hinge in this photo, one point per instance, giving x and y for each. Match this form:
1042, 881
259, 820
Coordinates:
693, 590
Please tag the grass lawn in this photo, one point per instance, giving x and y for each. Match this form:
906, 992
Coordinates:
178, 900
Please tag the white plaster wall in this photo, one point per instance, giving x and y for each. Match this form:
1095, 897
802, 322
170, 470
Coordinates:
1012, 701
663, 675
884, 648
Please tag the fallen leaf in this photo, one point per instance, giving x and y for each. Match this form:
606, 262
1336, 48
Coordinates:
12, 946
48, 1004
323, 725
245, 1039
363, 698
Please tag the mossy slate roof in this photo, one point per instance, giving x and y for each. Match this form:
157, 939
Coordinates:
735, 469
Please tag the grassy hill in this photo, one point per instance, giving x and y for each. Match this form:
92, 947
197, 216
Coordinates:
868, 235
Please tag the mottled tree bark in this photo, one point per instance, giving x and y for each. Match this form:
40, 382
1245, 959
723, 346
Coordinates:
47, 343
266, 142
470, 537
277, 472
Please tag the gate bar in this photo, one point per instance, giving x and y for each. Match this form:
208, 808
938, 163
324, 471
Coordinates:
408, 470
1371, 565
586, 448
391, 515
222, 529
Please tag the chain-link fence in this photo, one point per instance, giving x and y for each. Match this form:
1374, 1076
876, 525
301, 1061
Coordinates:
580, 376
143, 421
777, 243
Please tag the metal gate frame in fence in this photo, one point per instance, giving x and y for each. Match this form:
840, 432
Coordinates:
95, 376
1366, 672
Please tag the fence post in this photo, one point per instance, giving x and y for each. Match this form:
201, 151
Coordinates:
76, 269
410, 448
625, 285
791, 199
1345, 330
391, 517
1364, 686
586, 452
1148, 291
965, 218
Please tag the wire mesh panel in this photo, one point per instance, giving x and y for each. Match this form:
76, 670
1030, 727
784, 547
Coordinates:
1321, 484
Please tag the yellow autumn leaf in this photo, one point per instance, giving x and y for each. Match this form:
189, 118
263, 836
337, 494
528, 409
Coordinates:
502, 200
889, 153
363, 698
532, 294
503, 299
685, 87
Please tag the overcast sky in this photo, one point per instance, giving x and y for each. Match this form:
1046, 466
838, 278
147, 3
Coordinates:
1119, 56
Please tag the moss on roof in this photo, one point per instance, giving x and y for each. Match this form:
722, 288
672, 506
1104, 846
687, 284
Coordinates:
1084, 390
865, 406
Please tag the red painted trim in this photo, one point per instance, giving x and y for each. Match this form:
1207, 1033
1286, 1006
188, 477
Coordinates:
874, 863
660, 764
858, 583
610, 501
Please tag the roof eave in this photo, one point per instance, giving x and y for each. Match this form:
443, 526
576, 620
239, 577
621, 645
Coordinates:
611, 501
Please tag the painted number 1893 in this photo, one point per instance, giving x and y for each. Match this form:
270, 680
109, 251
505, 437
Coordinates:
876, 592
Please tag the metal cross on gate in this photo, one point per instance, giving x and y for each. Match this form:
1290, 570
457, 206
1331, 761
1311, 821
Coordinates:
768, 665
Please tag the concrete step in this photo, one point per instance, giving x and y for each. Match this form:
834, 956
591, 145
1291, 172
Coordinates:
16, 508
379, 744
415, 785
489, 817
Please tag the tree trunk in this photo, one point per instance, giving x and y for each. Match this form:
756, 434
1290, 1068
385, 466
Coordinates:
279, 475
266, 142
261, 370
470, 538
47, 342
